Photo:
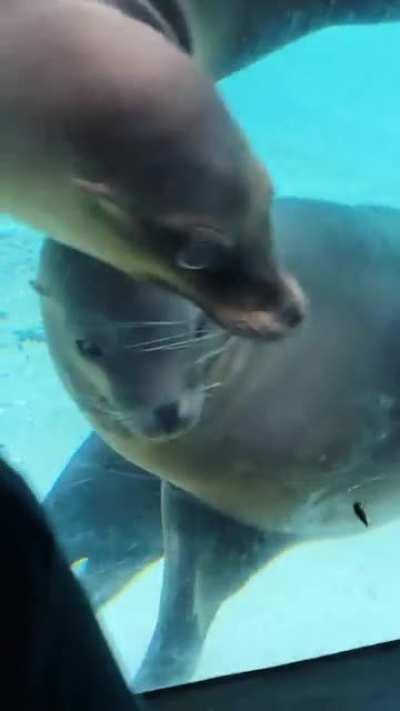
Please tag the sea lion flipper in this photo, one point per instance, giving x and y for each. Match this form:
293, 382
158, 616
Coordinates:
208, 557
87, 506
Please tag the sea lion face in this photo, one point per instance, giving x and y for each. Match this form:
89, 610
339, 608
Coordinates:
140, 376
221, 255
134, 356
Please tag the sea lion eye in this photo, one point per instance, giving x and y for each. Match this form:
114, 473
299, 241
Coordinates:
201, 254
89, 349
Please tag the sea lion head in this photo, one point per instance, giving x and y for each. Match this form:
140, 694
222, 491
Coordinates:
207, 234
132, 354
139, 159
162, 159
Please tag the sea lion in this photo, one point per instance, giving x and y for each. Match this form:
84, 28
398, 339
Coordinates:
114, 141
298, 439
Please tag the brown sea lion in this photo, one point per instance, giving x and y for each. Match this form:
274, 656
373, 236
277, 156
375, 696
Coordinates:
297, 439
114, 141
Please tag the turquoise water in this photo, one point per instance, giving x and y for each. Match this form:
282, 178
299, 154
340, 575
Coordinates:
323, 114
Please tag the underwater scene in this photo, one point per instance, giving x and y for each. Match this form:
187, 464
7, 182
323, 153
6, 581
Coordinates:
318, 412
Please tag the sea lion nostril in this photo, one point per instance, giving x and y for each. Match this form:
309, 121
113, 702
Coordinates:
167, 417
292, 315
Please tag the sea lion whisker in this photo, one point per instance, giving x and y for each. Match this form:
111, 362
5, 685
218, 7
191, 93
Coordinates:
178, 345
104, 409
174, 340
155, 341
172, 347
211, 354
145, 324
118, 416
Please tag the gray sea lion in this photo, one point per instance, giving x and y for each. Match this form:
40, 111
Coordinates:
298, 439
105, 91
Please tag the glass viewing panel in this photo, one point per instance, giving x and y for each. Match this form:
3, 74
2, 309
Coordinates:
267, 471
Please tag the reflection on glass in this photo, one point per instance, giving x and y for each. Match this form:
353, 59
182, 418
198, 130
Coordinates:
178, 460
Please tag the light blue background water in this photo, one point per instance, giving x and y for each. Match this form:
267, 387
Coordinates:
324, 114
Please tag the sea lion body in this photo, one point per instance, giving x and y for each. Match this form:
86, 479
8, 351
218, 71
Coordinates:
298, 431
300, 441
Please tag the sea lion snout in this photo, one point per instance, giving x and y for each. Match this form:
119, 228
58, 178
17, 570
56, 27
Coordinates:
168, 417
171, 419
294, 303
157, 397
266, 308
